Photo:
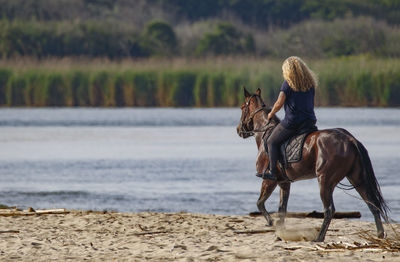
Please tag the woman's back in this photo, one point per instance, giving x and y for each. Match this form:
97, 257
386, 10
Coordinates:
299, 106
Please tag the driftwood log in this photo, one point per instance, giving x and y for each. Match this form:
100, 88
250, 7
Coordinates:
9, 231
151, 233
259, 231
313, 214
31, 212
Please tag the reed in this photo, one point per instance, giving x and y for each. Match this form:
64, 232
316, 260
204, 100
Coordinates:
35, 94
356, 81
200, 90
15, 93
165, 84
57, 91
5, 74
101, 91
182, 91
78, 83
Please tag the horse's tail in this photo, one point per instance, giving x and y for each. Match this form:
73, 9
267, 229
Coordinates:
373, 189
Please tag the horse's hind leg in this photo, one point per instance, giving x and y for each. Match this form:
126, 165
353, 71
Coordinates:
284, 197
358, 184
378, 222
329, 209
266, 190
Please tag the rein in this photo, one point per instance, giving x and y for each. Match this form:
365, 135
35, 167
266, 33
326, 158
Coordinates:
244, 124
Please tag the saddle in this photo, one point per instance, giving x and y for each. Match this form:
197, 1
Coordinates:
291, 150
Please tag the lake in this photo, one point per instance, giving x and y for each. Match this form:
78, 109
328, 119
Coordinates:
168, 160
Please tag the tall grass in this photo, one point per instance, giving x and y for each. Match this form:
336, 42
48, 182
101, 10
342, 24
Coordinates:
355, 81
79, 85
5, 74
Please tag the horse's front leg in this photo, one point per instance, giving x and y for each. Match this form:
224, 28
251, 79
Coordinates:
284, 198
266, 190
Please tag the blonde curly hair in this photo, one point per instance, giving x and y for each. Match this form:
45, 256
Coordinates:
298, 75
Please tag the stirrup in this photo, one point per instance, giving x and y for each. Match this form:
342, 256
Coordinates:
269, 175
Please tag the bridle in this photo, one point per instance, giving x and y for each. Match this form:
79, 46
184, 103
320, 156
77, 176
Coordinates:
244, 125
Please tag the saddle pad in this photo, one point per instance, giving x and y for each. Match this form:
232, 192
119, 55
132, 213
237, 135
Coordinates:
293, 148
291, 151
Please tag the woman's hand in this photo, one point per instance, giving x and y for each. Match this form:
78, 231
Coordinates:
270, 116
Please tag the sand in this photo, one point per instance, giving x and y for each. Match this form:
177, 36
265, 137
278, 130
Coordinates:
81, 235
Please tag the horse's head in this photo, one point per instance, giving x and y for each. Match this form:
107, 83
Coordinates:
251, 106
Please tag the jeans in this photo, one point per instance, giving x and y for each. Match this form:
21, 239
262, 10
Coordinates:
278, 136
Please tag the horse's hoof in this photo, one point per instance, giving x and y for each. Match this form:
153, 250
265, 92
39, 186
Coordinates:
382, 235
317, 240
270, 223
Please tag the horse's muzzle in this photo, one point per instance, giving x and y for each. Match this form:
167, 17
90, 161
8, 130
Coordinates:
242, 132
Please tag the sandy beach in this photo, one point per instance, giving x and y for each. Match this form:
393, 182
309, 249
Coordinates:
82, 235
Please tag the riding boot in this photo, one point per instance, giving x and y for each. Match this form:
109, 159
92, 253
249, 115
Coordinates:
267, 174
270, 175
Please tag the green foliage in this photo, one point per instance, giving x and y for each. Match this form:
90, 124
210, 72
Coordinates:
145, 88
329, 92
200, 90
5, 74
103, 3
392, 89
79, 86
225, 40
355, 81
284, 12
182, 91
269, 85
345, 37
125, 81
56, 90
233, 90
119, 90
215, 88
15, 93
60, 39
165, 84
115, 40
159, 39
35, 93
328, 9
255, 12
99, 92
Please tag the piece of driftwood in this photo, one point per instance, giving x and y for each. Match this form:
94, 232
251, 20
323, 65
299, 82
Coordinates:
313, 214
58, 211
151, 233
260, 231
340, 247
8, 231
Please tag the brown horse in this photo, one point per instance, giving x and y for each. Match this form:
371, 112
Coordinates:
328, 155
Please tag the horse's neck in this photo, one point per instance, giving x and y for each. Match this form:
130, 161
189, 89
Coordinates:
259, 139
260, 124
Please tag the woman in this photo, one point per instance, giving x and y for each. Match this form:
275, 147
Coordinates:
297, 94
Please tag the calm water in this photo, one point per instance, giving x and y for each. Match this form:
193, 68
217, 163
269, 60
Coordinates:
167, 160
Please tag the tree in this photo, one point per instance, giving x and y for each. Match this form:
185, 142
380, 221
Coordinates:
225, 40
159, 39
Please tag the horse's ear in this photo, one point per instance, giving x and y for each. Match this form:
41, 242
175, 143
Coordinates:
258, 92
246, 93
